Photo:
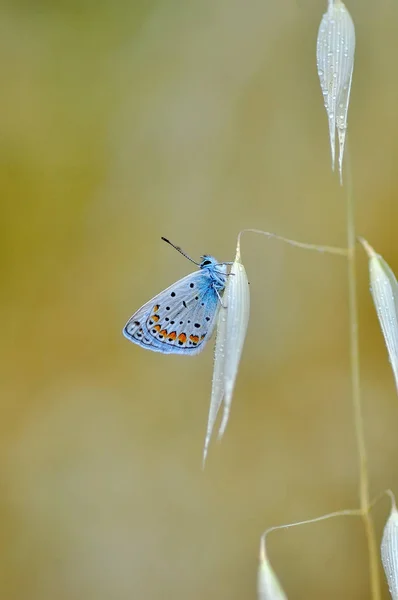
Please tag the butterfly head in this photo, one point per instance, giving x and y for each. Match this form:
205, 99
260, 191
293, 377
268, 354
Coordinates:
208, 261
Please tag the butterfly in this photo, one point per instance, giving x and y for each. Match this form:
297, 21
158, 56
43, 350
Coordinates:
181, 319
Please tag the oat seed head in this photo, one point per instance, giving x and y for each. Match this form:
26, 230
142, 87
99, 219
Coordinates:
237, 300
384, 290
268, 586
217, 391
335, 64
232, 324
389, 549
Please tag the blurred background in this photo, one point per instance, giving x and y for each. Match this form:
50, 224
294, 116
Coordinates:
121, 122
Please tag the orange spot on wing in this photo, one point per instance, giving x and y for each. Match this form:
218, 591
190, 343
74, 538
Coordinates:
182, 338
194, 338
157, 327
155, 318
163, 332
172, 335
156, 308
202, 337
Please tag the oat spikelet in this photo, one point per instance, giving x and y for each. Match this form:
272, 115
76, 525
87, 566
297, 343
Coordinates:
232, 324
389, 550
384, 290
268, 586
335, 63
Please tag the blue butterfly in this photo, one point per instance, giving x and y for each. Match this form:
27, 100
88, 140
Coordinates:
181, 319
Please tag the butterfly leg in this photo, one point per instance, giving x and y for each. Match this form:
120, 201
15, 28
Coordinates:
220, 299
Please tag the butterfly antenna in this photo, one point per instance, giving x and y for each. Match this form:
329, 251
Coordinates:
180, 251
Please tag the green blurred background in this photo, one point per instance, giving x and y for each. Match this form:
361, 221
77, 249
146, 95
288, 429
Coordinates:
124, 121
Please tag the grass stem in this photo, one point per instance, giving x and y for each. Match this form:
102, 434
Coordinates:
305, 246
356, 388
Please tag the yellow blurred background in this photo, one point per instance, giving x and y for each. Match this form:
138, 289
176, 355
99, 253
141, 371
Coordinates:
121, 122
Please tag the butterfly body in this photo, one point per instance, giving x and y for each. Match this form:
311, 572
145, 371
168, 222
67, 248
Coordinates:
181, 319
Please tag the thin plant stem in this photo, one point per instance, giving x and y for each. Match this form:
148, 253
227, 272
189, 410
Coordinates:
388, 493
339, 513
305, 246
354, 512
356, 388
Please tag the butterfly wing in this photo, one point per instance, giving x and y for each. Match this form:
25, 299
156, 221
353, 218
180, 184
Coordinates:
179, 320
